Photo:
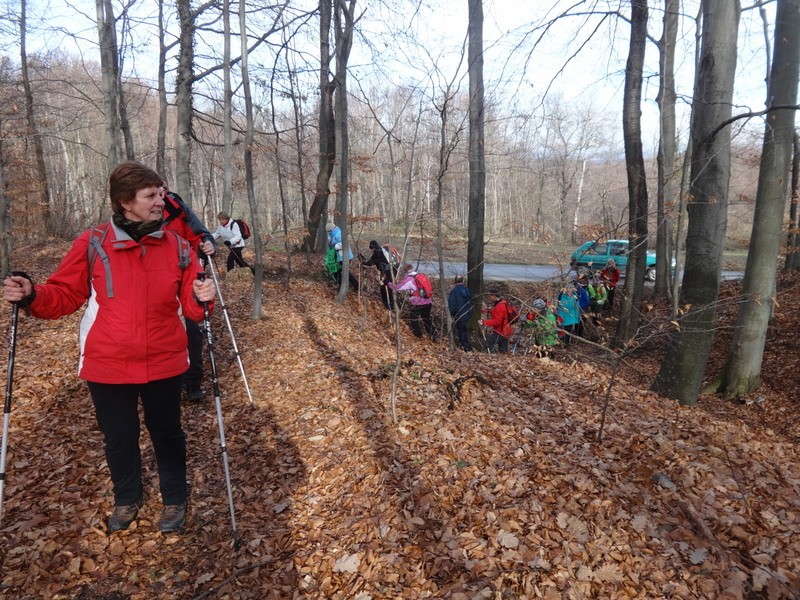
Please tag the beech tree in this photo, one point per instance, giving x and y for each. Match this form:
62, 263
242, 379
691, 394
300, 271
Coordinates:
477, 157
637, 181
681, 372
742, 372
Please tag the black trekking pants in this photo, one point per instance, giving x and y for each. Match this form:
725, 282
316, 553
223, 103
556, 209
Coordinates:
116, 408
235, 259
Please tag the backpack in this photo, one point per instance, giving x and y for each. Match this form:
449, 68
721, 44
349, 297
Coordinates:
424, 287
513, 313
244, 228
392, 255
98, 235
331, 262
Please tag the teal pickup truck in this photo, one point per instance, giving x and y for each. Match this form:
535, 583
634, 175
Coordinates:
594, 255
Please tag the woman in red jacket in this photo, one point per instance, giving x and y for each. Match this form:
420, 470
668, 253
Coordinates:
610, 276
140, 284
498, 321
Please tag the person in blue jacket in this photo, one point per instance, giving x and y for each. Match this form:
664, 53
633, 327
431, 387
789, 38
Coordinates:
459, 301
569, 310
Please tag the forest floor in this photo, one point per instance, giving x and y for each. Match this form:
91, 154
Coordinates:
491, 483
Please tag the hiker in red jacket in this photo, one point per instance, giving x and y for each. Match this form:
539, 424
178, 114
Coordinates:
610, 276
498, 321
132, 336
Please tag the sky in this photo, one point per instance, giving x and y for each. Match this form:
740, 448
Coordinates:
515, 71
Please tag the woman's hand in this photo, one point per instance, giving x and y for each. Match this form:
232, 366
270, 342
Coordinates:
16, 288
204, 291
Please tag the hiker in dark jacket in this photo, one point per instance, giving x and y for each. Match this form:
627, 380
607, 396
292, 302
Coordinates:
459, 302
181, 219
379, 260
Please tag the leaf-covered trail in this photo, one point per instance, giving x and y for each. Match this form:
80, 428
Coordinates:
492, 485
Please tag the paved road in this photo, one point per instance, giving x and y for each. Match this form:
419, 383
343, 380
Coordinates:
533, 273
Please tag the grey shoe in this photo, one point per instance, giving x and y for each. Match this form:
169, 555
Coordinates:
173, 518
123, 516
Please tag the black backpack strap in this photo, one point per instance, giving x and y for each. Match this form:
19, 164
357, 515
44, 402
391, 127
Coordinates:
97, 236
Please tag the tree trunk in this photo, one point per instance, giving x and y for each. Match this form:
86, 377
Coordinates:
793, 243
161, 134
343, 13
327, 129
41, 184
227, 126
184, 75
248, 165
637, 181
5, 215
681, 372
667, 196
477, 157
108, 66
742, 372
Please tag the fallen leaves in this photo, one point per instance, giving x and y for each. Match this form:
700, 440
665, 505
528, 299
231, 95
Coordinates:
492, 483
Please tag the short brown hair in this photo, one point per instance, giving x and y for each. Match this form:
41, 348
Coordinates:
223, 216
128, 178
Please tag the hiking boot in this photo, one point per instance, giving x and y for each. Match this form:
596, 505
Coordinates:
123, 516
194, 393
173, 517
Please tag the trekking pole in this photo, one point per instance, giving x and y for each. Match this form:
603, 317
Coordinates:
230, 329
220, 424
12, 345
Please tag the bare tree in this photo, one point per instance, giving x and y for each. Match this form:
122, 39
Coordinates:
344, 22
637, 180
327, 128
667, 192
681, 372
42, 187
109, 62
742, 372
477, 157
793, 241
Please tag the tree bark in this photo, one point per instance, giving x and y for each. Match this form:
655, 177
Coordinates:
793, 242
344, 18
248, 165
667, 190
184, 75
742, 372
108, 66
327, 129
637, 181
477, 157
681, 373
42, 187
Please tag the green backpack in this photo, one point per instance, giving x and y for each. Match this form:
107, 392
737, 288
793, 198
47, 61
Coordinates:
332, 265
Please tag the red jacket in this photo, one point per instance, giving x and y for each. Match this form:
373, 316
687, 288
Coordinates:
138, 335
498, 319
610, 276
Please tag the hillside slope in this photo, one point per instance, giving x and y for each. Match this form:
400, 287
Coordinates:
492, 483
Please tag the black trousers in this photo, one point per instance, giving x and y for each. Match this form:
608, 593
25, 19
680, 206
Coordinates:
496, 341
421, 317
194, 374
235, 259
463, 335
351, 278
116, 408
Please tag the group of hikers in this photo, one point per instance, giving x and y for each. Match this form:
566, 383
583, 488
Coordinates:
547, 323
140, 335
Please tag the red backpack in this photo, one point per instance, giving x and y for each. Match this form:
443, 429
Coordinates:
244, 228
424, 287
512, 312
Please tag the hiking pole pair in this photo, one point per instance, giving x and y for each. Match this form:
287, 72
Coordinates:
12, 345
220, 424
210, 261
